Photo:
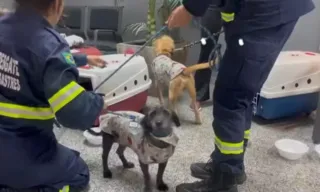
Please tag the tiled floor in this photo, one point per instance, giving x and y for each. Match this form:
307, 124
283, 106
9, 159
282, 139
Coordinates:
267, 172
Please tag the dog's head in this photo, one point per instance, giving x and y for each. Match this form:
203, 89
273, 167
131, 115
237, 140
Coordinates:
164, 45
158, 121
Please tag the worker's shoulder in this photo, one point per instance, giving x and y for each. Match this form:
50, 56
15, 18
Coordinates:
54, 35
47, 41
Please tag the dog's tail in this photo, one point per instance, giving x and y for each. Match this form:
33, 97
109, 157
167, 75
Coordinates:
194, 68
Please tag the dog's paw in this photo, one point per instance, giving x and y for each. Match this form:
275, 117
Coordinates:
147, 189
162, 187
198, 122
129, 165
107, 174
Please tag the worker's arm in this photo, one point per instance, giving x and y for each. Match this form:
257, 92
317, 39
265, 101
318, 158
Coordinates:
92, 60
80, 59
198, 7
73, 106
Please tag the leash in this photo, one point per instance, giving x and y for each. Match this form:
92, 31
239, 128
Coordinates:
122, 65
201, 41
214, 55
132, 56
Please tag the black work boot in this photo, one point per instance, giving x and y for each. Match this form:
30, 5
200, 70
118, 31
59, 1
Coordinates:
218, 181
203, 171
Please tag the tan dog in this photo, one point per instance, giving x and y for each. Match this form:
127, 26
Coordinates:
175, 75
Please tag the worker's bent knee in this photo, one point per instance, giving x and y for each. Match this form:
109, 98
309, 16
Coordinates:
81, 179
78, 182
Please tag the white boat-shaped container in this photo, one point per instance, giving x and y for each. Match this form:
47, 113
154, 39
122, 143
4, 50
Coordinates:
126, 90
292, 87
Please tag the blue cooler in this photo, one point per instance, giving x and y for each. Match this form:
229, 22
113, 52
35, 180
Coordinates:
292, 87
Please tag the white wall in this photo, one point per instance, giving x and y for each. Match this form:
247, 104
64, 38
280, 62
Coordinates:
306, 35
6, 3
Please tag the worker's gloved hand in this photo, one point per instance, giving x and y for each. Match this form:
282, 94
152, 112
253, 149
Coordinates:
96, 61
227, 17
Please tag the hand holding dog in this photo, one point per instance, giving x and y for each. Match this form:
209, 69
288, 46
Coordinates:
179, 17
96, 61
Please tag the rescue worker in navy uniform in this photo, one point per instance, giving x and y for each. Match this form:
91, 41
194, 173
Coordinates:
255, 33
38, 83
80, 60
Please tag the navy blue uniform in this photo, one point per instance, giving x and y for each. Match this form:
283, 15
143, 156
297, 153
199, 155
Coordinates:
211, 20
263, 26
80, 59
38, 78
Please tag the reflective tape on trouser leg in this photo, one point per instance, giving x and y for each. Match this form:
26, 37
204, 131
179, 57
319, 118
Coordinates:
227, 148
65, 189
247, 134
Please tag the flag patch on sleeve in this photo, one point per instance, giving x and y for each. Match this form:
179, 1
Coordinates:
68, 58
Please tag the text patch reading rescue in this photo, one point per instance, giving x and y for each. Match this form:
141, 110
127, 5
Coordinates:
9, 72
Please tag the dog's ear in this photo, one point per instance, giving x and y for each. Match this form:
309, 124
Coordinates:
145, 121
175, 118
145, 110
145, 124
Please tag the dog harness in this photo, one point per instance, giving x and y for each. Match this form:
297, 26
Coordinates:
165, 69
128, 132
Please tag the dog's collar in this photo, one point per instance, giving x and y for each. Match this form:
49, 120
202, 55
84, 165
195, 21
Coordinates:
171, 139
165, 54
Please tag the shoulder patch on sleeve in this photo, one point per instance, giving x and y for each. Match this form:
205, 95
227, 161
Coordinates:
68, 58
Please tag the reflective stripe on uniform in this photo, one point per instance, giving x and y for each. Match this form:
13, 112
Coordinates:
247, 134
25, 112
229, 148
65, 189
65, 95
227, 17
